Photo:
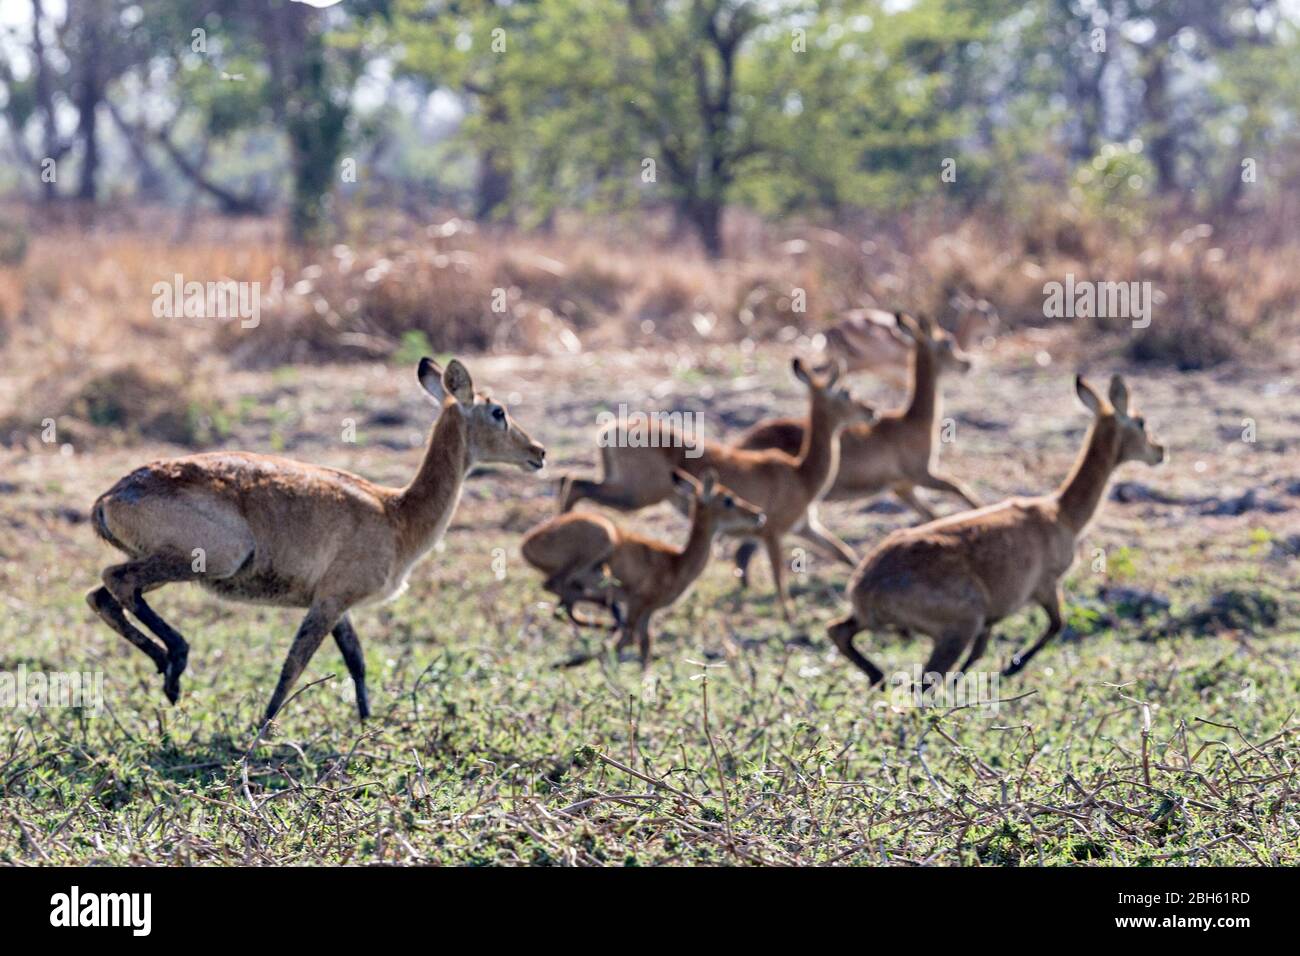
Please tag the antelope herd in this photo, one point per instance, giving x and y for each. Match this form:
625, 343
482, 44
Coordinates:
268, 530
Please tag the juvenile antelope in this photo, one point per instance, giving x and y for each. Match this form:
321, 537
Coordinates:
898, 451
955, 578
274, 531
587, 557
780, 483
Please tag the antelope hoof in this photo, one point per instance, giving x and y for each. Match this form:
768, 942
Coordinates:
176, 662
172, 683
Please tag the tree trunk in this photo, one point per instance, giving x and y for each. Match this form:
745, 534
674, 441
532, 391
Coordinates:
495, 177
705, 216
88, 97
492, 192
1155, 102
314, 121
45, 97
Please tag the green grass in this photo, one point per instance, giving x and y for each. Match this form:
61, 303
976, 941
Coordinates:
479, 752
750, 744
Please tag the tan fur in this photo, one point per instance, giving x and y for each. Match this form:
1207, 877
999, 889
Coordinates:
953, 579
899, 451
782, 485
866, 340
641, 573
269, 530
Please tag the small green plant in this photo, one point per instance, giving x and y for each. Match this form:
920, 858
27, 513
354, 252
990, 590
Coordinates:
1083, 620
414, 346
1261, 540
1120, 565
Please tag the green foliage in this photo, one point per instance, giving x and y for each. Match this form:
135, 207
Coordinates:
415, 345
1112, 185
606, 105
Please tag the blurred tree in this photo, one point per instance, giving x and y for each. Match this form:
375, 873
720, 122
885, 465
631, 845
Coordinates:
73, 60
698, 102
462, 45
204, 70
816, 107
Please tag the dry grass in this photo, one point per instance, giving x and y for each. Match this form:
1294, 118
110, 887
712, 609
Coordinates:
451, 287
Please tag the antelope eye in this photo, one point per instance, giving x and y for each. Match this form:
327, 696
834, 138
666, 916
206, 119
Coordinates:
1140, 422
728, 502
499, 413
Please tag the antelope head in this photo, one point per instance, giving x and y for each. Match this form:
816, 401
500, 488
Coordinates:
731, 514
492, 434
946, 354
839, 404
1121, 424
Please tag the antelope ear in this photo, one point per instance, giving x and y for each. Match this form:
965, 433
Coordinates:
835, 372
907, 325
801, 371
457, 383
684, 484
430, 376
708, 483
1119, 394
1087, 395
900, 334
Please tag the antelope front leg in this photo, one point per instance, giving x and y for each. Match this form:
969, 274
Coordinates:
823, 538
907, 494
940, 483
977, 649
350, 646
1052, 606
778, 575
319, 621
744, 554
644, 641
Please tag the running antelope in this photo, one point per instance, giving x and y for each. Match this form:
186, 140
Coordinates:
898, 451
955, 578
587, 557
274, 531
780, 483
868, 340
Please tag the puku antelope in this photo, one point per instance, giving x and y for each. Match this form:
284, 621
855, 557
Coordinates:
868, 340
587, 557
955, 578
898, 451
286, 533
781, 484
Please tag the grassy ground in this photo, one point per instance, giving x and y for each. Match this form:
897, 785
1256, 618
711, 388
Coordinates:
1153, 733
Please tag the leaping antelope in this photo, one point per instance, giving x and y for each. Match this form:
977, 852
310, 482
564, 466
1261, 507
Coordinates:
281, 532
899, 451
868, 340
